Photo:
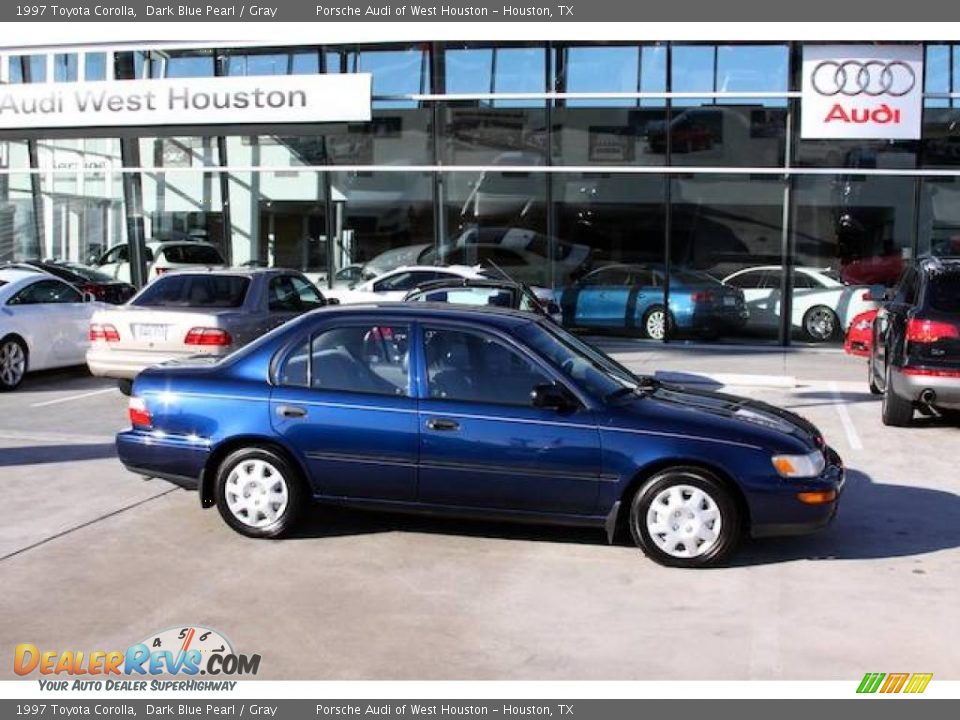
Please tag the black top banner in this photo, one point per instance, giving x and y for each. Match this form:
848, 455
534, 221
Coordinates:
485, 11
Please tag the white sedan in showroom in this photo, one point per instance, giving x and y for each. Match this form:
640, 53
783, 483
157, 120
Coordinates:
395, 284
44, 323
823, 307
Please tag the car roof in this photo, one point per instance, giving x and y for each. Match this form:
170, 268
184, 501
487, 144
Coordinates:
236, 271
503, 318
465, 282
169, 243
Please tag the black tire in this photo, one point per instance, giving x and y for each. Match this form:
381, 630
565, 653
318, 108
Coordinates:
645, 328
820, 324
871, 378
285, 473
729, 517
125, 387
14, 352
896, 412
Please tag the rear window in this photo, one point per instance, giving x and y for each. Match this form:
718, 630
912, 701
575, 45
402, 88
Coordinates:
215, 291
193, 255
86, 273
945, 292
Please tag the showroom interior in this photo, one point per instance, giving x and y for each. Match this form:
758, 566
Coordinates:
682, 162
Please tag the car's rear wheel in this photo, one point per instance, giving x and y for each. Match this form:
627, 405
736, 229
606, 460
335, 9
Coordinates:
125, 387
685, 517
258, 492
896, 412
655, 323
13, 363
820, 323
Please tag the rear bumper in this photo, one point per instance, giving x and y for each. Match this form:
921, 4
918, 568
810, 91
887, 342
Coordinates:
127, 364
784, 514
911, 386
176, 458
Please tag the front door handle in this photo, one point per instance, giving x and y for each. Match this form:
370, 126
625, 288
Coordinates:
442, 424
291, 411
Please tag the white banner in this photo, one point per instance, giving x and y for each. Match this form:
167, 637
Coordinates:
266, 99
862, 92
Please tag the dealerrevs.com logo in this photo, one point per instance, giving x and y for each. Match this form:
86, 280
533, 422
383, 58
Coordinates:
190, 651
893, 683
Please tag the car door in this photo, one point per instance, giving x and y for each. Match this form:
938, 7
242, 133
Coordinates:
601, 299
482, 442
343, 399
58, 320
287, 297
115, 263
761, 292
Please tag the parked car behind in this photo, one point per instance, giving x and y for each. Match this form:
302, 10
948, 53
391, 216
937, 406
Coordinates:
492, 293
487, 413
85, 279
43, 324
822, 304
162, 257
859, 337
195, 313
915, 358
632, 297
395, 284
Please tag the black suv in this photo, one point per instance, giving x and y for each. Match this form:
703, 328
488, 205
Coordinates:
915, 361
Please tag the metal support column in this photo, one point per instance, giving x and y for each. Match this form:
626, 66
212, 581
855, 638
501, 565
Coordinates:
133, 203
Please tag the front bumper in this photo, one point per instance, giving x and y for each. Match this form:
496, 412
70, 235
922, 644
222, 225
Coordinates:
781, 512
127, 364
910, 387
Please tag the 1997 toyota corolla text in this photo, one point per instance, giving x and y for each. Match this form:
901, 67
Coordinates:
475, 413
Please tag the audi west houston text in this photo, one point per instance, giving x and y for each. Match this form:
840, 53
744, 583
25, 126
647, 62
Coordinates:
476, 413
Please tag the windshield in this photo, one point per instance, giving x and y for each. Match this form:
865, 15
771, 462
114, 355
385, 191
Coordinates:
179, 290
595, 372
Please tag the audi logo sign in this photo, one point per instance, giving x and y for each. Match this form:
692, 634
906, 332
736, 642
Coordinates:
862, 92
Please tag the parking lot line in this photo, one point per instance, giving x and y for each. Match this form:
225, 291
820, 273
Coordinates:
853, 437
71, 398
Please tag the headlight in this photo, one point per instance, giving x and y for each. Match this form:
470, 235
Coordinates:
800, 466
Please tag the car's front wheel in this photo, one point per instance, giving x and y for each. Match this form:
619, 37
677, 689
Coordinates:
685, 517
258, 492
13, 363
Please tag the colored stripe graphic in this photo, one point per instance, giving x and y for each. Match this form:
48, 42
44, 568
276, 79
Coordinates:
918, 682
894, 683
870, 682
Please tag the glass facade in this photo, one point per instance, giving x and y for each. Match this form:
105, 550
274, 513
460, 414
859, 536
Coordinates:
659, 190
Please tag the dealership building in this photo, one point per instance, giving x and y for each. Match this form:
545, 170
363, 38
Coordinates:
626, 177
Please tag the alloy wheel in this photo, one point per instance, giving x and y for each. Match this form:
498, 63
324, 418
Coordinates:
256, 493
13, 363
684, 521
656, 324
820, 324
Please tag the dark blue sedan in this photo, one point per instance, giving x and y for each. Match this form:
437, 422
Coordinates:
475, 413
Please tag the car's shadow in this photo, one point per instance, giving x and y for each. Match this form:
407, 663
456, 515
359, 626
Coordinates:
875, 521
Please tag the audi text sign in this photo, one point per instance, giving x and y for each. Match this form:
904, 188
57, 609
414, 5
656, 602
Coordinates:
268, 99
862, 92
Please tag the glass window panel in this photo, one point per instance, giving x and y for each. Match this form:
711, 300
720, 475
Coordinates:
182, 65
396, 72
939, 217
937, 74
497, 69
614, 68
65, 67
609, 136
722, 227
748, 134
856, 229
28, 68
476, 135
95, 66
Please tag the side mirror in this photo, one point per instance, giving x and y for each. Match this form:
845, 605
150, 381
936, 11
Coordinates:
876, 293
551, 396
333, 301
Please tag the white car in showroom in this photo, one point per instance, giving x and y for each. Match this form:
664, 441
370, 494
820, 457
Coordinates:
823, 306
44, 324
162, 257
395, 284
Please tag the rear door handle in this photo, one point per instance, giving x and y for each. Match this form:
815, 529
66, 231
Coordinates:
442, 424
291, 411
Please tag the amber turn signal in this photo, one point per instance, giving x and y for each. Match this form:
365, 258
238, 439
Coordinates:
817, 497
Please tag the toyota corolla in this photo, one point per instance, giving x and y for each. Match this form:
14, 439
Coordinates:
479, 414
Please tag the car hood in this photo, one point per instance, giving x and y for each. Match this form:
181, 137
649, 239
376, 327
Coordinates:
734, 418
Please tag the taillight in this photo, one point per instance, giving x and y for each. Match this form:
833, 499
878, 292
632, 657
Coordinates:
208, 336
98, 291
139, 414
702, 296
929, 331
106, 332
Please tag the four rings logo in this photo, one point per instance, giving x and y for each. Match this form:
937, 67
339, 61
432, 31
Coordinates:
871, 77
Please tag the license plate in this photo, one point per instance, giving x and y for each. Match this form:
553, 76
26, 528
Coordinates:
729, 301
150, 333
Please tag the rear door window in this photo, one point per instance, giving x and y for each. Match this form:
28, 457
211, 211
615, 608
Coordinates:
192, 255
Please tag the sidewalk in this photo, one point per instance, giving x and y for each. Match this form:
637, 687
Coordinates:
736, 364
